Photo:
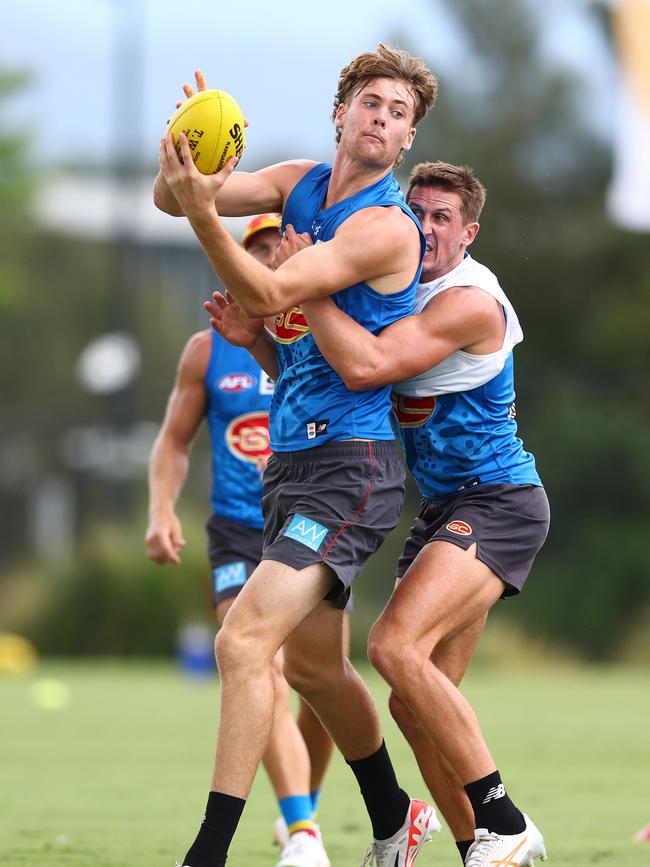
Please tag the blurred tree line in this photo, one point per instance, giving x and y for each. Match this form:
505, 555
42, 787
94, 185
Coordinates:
582, 291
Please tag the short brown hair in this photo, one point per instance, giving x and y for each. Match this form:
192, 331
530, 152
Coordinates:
457, 179
386, 62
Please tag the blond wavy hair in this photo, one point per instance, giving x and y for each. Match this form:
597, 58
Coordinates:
393, 63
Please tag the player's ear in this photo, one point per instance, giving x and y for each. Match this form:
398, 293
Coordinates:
470, 233
340, 115
408, 141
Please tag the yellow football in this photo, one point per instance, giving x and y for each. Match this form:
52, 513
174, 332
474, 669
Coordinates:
214, 126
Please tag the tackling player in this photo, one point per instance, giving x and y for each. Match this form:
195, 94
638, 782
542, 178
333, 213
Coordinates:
484, 505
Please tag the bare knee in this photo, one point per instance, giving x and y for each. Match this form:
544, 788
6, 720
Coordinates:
238, 652
394, 656
385, 651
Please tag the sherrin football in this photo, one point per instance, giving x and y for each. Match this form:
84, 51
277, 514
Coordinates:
214, 126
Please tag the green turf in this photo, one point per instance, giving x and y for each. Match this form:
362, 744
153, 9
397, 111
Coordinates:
119, 777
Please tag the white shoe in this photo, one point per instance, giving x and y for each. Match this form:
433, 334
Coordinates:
304, 850
506, 850
401, 849
280, 833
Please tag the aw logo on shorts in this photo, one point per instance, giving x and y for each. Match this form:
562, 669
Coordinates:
290, 325
306, 531
412, 411
229, 575
235, 382
460, 528
247, 436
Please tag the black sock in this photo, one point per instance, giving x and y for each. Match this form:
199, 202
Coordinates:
210, 849
492, 807
386, 803
463, 848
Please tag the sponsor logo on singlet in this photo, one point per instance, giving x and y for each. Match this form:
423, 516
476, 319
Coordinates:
460, 528
247, 436
235, 382
290, 325
266, 383
412, 411
306, 531
316, 428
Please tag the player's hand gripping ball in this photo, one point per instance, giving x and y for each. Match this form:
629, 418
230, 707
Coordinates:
214, 126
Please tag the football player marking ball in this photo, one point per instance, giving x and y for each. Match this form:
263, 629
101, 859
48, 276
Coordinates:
214, 125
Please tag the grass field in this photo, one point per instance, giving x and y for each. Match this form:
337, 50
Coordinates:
118, 777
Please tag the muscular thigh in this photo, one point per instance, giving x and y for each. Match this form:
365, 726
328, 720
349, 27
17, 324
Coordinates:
275, 599
444, 591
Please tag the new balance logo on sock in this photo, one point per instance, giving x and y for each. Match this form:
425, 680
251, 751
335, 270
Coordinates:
494, 793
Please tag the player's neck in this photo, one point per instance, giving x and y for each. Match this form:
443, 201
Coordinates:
350, 176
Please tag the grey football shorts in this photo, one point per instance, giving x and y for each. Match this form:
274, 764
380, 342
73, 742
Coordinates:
234, 551
507, 523
334, 504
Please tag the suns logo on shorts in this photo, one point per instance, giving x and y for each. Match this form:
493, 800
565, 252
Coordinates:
247, 436
290, 325
460, 528
412, 411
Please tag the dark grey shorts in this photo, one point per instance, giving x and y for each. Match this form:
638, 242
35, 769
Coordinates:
234, 551
507, 523
334, 504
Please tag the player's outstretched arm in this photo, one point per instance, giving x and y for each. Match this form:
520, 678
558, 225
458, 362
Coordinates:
245, 194
376, 245
169, 459
458, 318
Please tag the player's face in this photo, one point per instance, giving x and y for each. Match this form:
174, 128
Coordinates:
447, 235
263, 244
378, 121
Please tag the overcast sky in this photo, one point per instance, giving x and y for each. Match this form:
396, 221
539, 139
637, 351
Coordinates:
280, 61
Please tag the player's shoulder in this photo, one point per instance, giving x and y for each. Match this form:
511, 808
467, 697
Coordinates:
390, 221
195, 356
285, 175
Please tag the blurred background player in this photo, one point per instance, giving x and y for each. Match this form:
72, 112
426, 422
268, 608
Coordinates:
224, 384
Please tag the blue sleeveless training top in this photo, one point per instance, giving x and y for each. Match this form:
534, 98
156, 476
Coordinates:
237, 412
457, 420
455, 441
311, 405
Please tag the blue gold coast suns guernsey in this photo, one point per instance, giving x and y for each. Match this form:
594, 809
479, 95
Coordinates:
311, 405
237, 412
457, 420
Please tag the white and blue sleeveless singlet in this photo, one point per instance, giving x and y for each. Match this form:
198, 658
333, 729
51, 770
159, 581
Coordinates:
311, 405
457, 420
237, 412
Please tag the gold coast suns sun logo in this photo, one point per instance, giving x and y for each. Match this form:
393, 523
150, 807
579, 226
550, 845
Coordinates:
247, 436
290, 325
412, 411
